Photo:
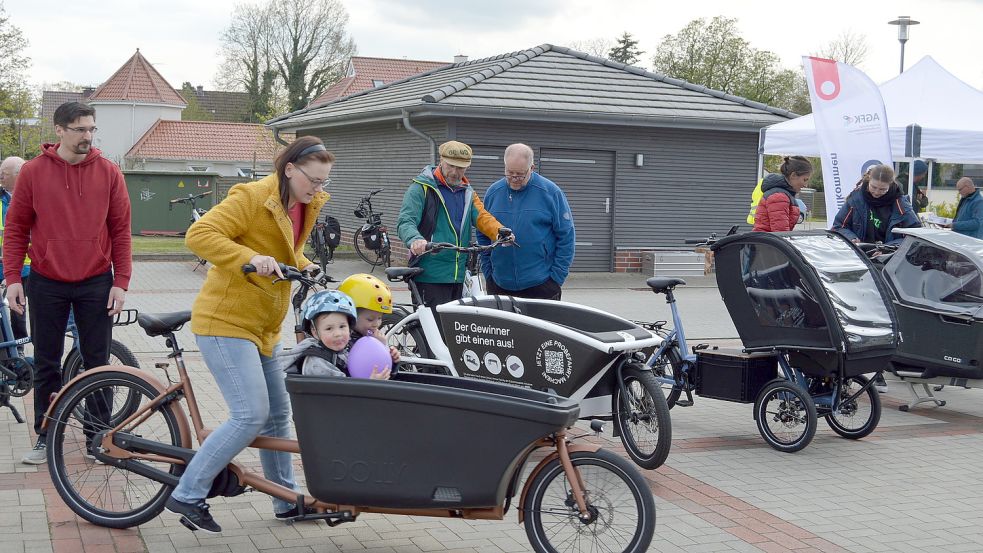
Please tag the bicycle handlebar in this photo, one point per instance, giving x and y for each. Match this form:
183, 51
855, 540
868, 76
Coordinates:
190, 198
291, 273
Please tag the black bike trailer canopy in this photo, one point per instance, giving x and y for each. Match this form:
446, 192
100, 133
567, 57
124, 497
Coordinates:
812, 294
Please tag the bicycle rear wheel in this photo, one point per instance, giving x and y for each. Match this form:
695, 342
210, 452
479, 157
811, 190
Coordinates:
119, 354
619, 501
669, 365
410, 341
372, 257
99, 493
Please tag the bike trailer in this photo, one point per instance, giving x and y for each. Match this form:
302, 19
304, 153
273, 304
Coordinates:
556, 346
936, 277
419, 441
812, 295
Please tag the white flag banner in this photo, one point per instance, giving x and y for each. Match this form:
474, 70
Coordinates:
851, 125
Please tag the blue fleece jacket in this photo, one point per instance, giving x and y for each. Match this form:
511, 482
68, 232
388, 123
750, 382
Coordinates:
969, 216
540, 217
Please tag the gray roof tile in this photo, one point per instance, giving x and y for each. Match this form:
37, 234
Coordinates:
548, 79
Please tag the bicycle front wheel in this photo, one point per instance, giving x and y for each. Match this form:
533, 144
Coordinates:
855, 418
104, 494
642, 417
371, 257
409, 340
619, 502
786, 415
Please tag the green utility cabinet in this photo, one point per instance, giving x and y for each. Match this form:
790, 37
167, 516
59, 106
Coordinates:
151, 192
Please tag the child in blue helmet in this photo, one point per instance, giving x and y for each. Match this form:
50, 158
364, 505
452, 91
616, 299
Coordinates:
329, 316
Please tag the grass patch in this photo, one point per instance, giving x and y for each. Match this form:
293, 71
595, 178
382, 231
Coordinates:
159, 245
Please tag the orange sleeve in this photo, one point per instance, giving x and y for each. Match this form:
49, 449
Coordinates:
486, 223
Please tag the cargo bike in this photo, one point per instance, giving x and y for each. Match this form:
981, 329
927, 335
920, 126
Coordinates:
935, 281
565, 349
811, 312
423, 445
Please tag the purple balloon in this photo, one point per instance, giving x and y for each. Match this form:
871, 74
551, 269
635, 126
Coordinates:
368, 352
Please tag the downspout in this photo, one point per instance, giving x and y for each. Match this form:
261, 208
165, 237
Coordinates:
761, 151
418, 132
278, 138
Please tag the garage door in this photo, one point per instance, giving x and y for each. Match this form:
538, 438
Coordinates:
587, 178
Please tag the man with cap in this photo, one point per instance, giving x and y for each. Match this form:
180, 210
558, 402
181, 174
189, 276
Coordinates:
441, 206
919, 201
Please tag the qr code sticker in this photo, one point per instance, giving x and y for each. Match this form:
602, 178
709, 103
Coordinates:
554, 362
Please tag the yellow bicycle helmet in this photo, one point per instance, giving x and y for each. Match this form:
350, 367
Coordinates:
368, 292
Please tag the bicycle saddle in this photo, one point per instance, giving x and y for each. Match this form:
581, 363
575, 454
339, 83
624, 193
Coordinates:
395, 274
158, 324
661, 285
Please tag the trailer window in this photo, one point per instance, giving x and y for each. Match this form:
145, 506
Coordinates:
939, 276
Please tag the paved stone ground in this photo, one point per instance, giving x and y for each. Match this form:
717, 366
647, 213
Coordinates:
914, 485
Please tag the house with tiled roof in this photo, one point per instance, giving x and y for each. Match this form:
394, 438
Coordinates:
221, 105
646, 161
367, 73
229, 149
128, 103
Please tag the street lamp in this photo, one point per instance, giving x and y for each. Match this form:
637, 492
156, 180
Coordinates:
903, 21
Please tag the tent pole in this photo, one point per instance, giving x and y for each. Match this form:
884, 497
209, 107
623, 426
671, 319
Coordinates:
761, 152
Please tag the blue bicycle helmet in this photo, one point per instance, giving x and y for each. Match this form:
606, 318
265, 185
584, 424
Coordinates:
329, 301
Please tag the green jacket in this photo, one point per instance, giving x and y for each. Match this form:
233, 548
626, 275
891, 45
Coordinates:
446, 267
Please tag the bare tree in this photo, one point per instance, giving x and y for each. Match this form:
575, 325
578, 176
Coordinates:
284, 53
594, 46
310, 46
849, 47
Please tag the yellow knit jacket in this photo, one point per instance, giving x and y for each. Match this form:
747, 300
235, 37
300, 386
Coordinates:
250, 221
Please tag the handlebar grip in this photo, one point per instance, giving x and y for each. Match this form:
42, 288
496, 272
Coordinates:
250, 268
694, 241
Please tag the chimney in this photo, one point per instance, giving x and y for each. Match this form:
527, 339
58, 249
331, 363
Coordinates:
460, 58
200, 91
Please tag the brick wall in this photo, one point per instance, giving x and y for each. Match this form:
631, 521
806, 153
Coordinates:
629, 261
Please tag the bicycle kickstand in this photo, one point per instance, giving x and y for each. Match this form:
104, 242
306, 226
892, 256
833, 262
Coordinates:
5, 402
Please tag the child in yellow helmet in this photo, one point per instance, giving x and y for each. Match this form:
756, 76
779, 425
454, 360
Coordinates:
373, 298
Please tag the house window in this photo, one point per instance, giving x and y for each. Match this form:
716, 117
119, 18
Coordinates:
201, 168
378, 82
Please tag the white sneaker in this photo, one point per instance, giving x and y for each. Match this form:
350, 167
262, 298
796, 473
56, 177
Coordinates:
36, 456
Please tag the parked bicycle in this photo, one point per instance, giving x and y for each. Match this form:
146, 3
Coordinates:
325, 237
372, 238
578, 498
196, 214
563, 348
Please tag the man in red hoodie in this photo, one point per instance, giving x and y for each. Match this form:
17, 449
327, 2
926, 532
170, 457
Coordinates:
72, 213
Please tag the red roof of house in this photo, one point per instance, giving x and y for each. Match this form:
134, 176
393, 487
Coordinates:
206, 141
137, 81
362, 71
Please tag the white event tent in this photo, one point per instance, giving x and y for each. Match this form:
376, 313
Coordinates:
948, 114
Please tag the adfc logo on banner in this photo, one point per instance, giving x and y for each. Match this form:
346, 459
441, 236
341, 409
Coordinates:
851, 125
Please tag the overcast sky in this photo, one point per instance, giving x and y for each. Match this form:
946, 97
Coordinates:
85, 42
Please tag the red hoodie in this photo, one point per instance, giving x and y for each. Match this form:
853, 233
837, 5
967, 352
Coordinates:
76, 218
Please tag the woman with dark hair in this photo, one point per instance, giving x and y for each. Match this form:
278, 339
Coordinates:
778, 210
872, 211
236, 317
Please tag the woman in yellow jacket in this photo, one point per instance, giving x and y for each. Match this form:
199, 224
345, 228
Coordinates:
236, 318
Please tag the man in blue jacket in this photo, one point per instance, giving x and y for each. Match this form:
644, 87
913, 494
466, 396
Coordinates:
969, 212
538, 213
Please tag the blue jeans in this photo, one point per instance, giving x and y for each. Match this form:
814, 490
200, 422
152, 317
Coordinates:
254, 389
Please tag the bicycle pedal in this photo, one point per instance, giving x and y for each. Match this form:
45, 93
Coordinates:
684, 402
188, 524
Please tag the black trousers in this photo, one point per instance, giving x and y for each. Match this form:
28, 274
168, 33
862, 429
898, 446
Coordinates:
548, 290
436, 294
50, 302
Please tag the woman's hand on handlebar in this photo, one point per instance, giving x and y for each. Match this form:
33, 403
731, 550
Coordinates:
266, 265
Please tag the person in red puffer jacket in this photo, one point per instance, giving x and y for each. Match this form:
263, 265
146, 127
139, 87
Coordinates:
777, 210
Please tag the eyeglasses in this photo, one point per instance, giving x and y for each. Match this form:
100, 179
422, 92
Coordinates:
516, 176
83, 130
316, 183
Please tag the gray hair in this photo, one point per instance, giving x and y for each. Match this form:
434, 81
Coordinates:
13, 163
519, 150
